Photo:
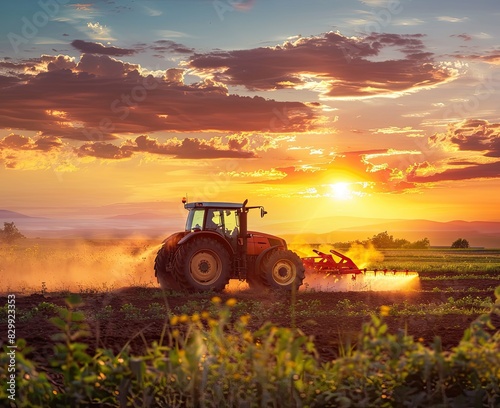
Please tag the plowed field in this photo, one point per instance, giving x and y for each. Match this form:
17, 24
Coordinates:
136, 315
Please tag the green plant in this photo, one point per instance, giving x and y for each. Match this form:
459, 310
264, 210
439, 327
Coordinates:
156, 311
104, 313
131, 312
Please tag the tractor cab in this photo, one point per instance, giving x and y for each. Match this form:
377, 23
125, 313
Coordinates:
223, 218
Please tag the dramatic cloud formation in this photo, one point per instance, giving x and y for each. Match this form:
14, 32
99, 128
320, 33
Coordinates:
97, 48
189, 148
479, 139
19, 142
477, 135
99, 97
335, 65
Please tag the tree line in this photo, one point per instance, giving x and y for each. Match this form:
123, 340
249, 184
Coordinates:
386, 241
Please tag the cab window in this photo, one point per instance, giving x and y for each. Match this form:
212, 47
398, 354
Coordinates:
195, 219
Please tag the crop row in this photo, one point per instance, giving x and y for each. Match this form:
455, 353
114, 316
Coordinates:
466, 305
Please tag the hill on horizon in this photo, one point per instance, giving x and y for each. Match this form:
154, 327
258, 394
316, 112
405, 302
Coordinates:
334, 229
7, 214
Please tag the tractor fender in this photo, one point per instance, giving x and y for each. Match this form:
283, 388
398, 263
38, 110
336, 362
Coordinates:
263, 254
207, 234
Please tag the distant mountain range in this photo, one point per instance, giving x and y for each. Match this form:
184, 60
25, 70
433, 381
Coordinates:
11, 215
137, 216
333, 229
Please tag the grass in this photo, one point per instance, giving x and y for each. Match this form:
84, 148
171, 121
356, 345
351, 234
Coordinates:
437, 261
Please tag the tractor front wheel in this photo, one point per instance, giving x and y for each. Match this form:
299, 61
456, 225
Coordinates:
202, 264
282, 270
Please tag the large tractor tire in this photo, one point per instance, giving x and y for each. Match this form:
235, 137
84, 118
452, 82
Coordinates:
282, 270
202, 264
163, 275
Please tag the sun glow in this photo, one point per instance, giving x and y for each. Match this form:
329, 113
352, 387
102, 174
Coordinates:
341, 191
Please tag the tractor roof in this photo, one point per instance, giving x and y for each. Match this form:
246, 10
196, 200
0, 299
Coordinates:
208, 204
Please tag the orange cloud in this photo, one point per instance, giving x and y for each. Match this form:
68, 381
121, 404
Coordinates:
475, 140
336, 65
189, 148
103, 97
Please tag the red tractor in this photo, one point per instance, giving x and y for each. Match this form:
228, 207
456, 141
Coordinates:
216, 246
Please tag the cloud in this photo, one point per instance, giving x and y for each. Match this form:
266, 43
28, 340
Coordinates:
487, 170
99, 32
463, 36
377, 3
476, 140
337, 66
491, 57
81, 6
169, 46
103, 65
171, 34
103, 96
103, 151
19, 142
97, 48
476, 135
188, 148
448, 19
25, 153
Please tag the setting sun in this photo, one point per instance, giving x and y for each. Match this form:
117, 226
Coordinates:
341, 191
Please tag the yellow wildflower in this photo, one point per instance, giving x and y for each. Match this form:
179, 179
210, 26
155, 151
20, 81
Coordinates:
231, 302
384, 310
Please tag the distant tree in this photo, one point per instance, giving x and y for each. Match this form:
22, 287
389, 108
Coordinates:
460, 243
10, 233
386, 241
382, 240
423, 243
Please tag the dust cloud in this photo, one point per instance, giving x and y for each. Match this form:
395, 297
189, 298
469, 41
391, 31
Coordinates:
48, 265
51, 265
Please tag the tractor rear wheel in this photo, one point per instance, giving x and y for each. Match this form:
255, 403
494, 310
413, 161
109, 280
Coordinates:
282, 270
164, 275
202, 264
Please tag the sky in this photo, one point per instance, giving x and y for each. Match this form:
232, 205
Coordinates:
362, 108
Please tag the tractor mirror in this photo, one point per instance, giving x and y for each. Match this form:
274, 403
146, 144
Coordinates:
262, 212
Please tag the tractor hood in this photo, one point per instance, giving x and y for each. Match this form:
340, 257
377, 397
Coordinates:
259, 241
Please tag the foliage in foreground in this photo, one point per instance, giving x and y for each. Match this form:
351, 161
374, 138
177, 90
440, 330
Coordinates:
214, 360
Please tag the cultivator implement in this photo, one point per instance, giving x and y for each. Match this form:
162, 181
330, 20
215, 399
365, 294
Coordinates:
341, 268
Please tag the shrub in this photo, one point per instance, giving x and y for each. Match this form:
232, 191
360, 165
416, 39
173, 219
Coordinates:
460, 243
